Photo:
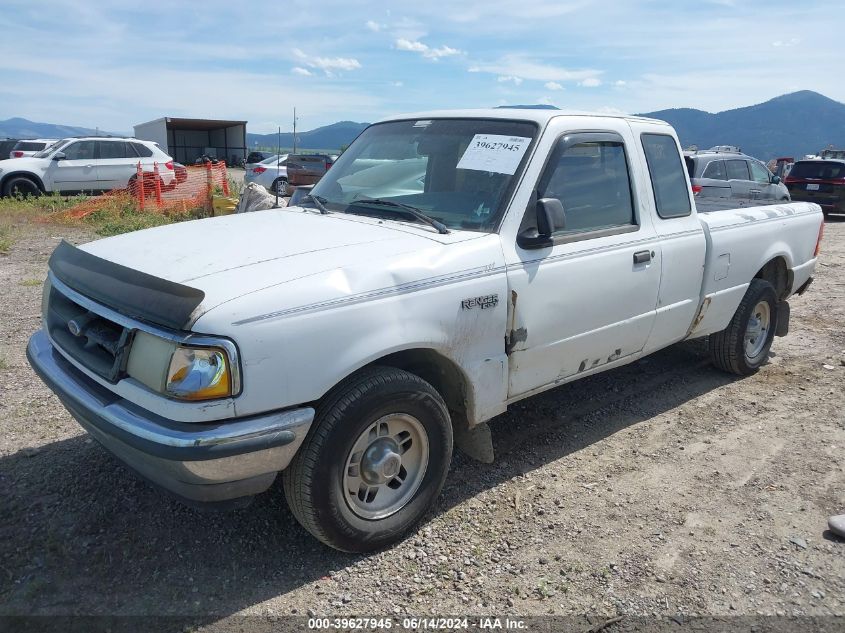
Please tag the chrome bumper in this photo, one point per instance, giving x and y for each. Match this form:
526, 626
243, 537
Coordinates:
201, 462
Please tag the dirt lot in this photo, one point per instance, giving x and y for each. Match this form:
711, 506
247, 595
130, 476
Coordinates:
664, 487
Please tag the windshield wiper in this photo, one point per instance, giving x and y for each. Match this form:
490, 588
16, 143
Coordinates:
319, 202
419, 215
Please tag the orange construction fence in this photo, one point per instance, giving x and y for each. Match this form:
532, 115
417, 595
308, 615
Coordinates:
167, 188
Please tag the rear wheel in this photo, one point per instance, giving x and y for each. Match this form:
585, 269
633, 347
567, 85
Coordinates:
280, 186
21, 186
149, 185
374, 461
743, 346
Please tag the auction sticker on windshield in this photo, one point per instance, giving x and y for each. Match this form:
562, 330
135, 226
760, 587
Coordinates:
494, 152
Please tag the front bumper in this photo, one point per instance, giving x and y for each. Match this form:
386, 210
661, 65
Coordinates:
200, 462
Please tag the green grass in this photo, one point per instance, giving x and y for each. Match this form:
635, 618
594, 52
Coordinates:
29, 283
115, 214
7, 239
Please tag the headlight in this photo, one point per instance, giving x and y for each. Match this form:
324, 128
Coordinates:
199, 374
194, 368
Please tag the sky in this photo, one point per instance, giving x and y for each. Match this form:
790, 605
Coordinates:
116, 63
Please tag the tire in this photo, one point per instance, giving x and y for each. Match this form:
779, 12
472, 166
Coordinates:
735, 349
21, 186
149, 186
280, 186
341, 451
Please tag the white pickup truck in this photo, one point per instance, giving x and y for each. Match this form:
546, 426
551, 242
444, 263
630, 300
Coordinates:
448, 265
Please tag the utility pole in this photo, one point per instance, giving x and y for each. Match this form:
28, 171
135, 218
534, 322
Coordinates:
278, 166
294, 130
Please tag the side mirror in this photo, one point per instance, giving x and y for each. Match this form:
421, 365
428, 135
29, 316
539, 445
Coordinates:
775, 180
59, 156
550, 218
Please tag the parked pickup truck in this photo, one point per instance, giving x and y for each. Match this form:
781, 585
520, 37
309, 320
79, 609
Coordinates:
448, 265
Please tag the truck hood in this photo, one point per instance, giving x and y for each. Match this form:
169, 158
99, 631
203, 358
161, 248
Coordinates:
232, 256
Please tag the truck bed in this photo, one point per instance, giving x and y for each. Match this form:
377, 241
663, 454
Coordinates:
740, 241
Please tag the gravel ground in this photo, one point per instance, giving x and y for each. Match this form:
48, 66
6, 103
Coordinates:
664, 487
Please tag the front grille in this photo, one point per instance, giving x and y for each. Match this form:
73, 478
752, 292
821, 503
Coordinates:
97, 343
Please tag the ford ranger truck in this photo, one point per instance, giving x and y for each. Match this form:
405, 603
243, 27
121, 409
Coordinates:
448, 264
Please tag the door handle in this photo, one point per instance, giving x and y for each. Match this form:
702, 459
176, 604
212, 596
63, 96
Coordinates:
641, 257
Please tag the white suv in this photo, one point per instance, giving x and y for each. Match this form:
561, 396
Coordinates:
84, 164
30, 147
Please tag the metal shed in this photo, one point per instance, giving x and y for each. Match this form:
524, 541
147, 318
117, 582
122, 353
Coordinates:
188, 139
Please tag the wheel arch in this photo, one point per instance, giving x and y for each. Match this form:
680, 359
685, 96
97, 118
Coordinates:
26, 174
441, 372
778, 273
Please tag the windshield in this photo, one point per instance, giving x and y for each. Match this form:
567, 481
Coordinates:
459, 172
818, 169
44, 153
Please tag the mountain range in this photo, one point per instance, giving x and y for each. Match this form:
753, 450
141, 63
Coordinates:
22, 128
329, 137
790, 125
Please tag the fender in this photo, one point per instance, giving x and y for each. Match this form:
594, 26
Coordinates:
27, 174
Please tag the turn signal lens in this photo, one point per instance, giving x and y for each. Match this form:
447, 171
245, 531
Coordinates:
199, 374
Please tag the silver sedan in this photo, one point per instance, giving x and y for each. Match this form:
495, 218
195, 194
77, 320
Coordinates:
270, 174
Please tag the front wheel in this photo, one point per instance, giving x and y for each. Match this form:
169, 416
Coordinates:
374, 461
743, 346
20, 186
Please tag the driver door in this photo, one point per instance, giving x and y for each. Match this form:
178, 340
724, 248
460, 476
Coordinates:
589, 298
77, 171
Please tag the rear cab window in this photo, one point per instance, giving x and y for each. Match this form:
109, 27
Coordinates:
671, 193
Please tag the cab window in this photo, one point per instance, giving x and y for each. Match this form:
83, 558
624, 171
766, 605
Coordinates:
668, 181
592, 182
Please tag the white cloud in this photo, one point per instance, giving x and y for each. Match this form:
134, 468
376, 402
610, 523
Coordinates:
415, 46
544, 101
373, 26
299, 70
336, 63
611, 110
590, 82
518, 65
794, 41
620, 83
397, 84
327, 64
553, 85
95, 93
506, 78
